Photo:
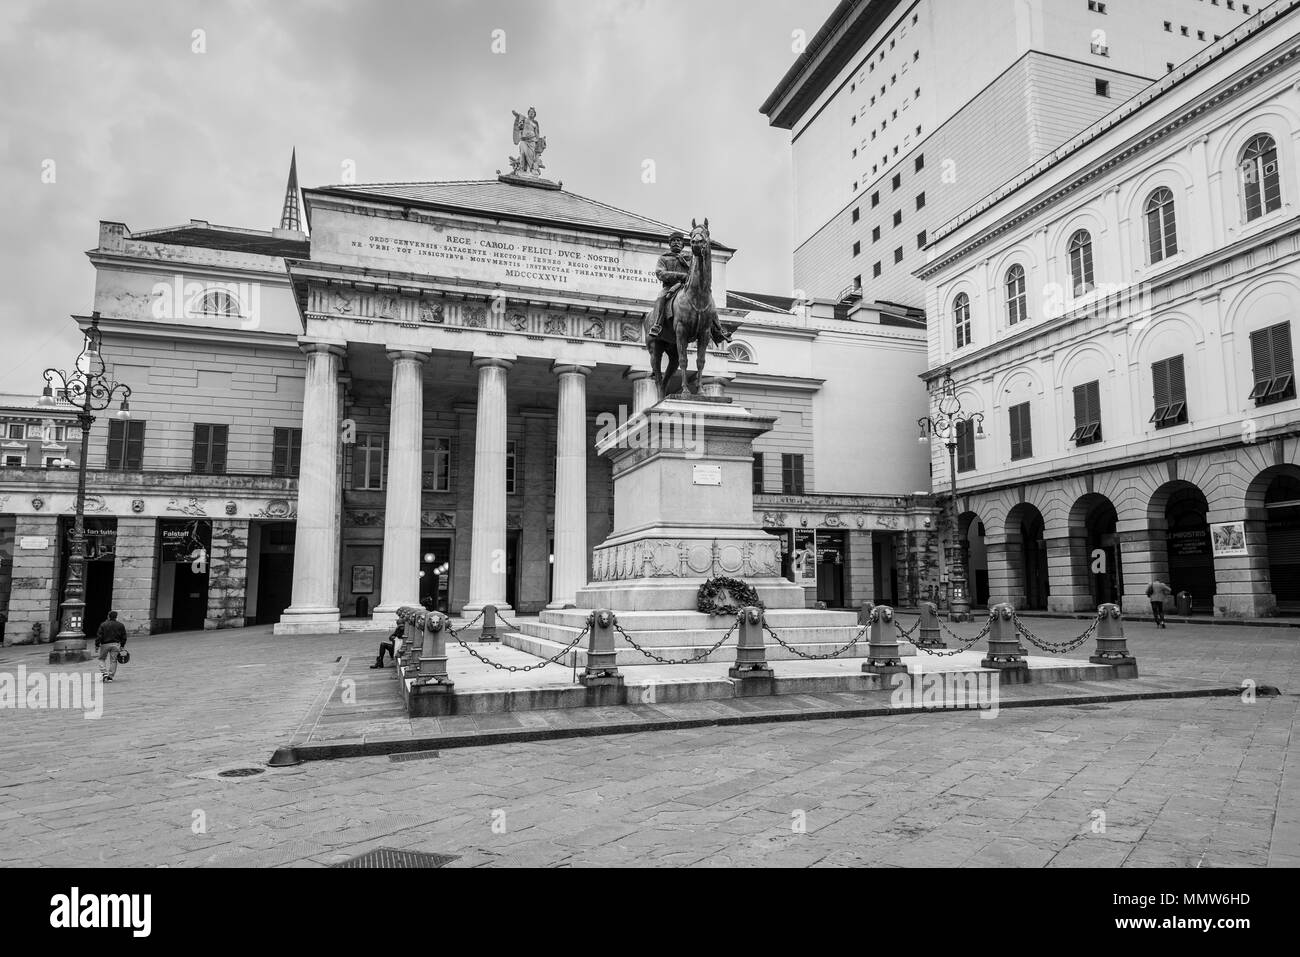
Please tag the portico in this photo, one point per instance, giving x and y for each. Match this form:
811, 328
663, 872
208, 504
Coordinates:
457, 364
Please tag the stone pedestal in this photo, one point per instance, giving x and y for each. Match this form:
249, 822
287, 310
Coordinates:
683, 510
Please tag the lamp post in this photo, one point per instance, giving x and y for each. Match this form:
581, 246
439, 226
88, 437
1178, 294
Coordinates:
944, 426
88, 390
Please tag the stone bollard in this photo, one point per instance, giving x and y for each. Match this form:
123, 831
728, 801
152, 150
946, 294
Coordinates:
864, 613
601, 678
928, 632
1005, 653
882, 644
432, 663
751, 670
489, 630
1112, 646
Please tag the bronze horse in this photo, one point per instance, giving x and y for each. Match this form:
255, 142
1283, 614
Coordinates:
691, 319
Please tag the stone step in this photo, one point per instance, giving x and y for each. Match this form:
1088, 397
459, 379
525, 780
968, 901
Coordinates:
627, 656
636, 621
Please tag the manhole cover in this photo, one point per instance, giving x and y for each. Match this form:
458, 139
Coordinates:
413, 756
240, 772
392, 857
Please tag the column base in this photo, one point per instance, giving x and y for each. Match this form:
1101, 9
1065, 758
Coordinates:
67, 651
472, 609
1261, 605
308, 621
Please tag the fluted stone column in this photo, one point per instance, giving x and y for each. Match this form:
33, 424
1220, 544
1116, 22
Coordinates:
487, 563
314, 607
644, 391
571, 556
400, 584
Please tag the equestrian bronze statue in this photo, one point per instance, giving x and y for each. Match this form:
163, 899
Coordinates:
684, 313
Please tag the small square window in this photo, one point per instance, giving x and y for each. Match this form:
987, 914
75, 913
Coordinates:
875, 200
920, 201
920, 162
920, 239
898, 254
1200, 35
857, 248
898, 218
1169, 27
875, 235
1103, 87
876, 270
898, 180
1185, 32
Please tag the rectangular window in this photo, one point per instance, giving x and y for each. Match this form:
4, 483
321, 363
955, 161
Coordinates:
1087, 413
1169, 391
438, 456
920, 201
210, 449
368, 462
857, 212
758, 473
1022, 438
1270, 353
965, 447
876, 271
792, 474
511, 458
15, 461
875, 200
920, 160
286, 453
920, 239
16, 431
898, 218
1103, 87
125, 445
898, 180
857, 248
898, 254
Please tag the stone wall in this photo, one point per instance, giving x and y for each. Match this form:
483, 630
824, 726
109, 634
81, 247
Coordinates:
135, 574
227, 574
32, 592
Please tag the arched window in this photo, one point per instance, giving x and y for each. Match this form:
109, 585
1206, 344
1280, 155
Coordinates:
1162, 231
740, 352
1015, 286
961, 319
1260, 182
1081, 262
218, 303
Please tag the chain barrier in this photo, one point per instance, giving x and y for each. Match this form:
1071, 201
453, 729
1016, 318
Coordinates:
862, 633
542, 664
456, 631
908, 633
963, 644
678, 661
508, 623
1055, 647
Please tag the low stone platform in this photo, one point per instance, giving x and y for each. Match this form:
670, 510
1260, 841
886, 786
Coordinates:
677, 635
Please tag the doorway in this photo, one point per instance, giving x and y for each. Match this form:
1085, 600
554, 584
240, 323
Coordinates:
101, 556
435, 574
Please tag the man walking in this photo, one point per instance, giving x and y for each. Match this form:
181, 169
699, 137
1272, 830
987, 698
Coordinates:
1159, 593
110, 639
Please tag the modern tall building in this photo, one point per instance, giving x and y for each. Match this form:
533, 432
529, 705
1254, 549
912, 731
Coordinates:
903, 114
1124, 315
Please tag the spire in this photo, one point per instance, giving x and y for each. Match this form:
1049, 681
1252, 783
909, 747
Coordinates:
290, 218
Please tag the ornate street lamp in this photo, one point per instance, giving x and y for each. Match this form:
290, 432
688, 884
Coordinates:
88, 390
943, 426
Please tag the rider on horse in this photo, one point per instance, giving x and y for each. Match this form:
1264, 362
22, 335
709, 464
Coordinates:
673, 269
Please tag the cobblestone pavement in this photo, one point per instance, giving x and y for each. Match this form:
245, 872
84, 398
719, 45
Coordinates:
1197, 782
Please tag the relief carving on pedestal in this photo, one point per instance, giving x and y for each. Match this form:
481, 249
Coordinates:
666, 558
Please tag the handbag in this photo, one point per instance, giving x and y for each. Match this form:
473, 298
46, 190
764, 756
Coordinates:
123, 657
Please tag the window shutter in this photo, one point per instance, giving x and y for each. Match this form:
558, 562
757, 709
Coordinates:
1015, 432
1080, 406
1160, 383
1261, 354
280, 452
295, 452
1153, 234
1171, 231
134, 446
1281, 336
1177, 384
201, 448
219, 449
1093, 390
116, 444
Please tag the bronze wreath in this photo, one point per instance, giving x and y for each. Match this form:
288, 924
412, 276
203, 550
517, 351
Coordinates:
726, 596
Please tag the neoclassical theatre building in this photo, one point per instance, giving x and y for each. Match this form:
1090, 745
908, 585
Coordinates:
404, 407
1124, 313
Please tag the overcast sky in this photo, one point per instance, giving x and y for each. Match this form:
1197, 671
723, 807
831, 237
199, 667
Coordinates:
144, 130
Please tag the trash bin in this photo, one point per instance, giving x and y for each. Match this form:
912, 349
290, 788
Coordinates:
1183, 603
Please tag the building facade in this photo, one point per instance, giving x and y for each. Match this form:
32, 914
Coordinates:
904, 114
1124, 316
404, 409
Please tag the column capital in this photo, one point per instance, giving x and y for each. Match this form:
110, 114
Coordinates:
490, 361
396, 355
314, 345
573, 368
